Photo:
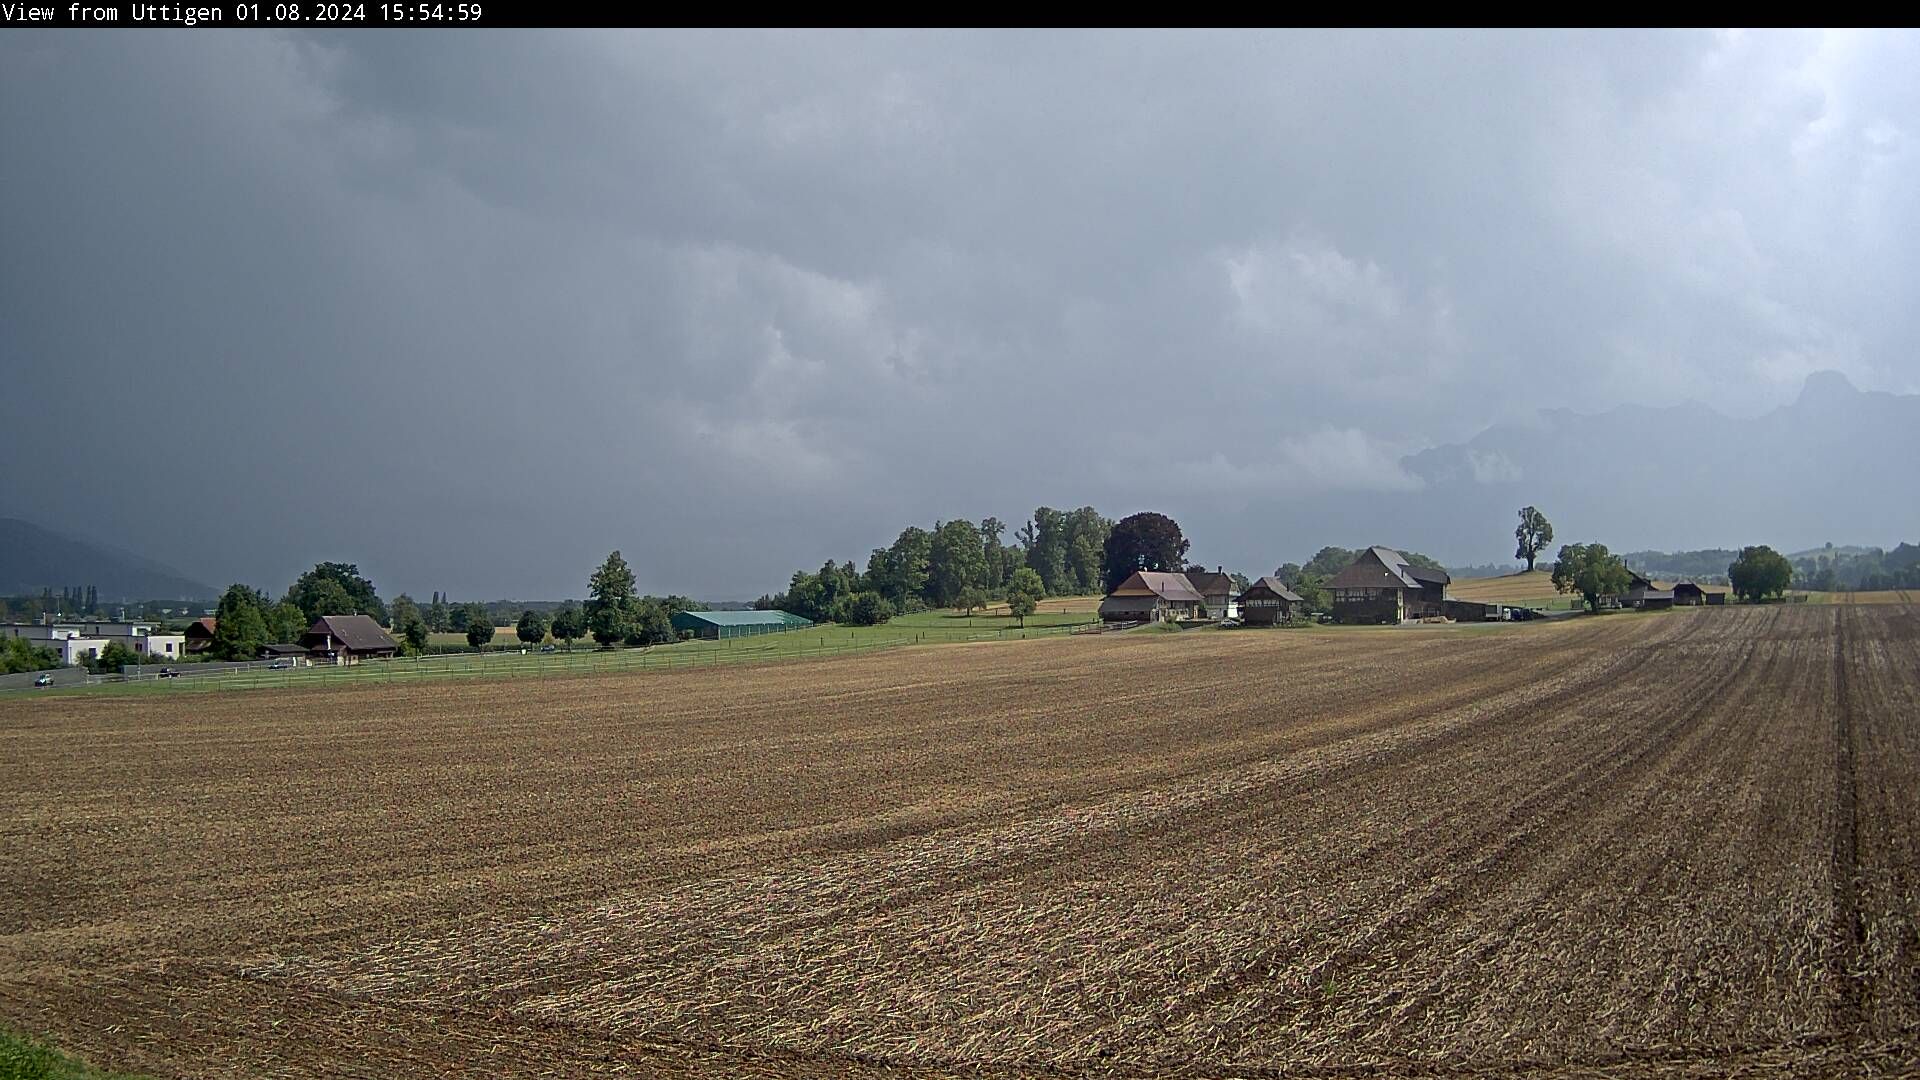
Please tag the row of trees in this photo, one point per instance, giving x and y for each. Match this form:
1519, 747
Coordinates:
956, 563
1758, 573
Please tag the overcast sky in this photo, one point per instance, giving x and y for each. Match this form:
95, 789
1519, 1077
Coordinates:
471, 309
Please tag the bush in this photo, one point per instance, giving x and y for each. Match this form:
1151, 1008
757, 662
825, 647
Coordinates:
862, 609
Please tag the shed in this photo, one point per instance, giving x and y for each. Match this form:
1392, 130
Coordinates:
714, 625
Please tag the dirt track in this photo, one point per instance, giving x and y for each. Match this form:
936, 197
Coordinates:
1674, 844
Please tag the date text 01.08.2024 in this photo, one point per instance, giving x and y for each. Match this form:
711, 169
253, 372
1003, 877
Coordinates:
320, 12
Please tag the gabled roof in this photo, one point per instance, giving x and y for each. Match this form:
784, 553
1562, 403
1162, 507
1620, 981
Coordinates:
1382, 566
1210, 583
1635, 581
1174, 587
1276, 587
201, 626
357, 633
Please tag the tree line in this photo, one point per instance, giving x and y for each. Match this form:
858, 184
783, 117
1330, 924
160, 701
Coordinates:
955, 564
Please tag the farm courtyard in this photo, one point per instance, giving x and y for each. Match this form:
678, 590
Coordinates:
1683, 844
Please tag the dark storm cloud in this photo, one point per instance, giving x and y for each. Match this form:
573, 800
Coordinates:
472, 309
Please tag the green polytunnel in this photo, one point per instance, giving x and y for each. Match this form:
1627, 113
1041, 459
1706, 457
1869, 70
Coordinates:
714, 625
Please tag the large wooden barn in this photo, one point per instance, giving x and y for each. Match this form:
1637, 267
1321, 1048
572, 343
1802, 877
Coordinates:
348, 639
1383, 587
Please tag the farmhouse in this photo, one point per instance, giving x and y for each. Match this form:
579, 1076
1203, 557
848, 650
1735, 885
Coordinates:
1383, 587
1216, 591
348, 639
1152, 596
714, 625
1267, 602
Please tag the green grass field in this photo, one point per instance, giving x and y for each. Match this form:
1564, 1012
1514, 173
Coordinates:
922, 628
22, 1058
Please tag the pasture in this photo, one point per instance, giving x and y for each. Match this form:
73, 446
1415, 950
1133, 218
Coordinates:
1677, 845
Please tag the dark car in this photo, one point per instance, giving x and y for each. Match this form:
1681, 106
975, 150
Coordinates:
169, 673
44, 680
280, 665
548, 648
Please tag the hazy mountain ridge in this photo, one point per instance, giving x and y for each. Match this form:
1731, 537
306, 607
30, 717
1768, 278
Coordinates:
1836, 461
33, 558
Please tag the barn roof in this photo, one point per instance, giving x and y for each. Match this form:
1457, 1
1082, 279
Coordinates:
1210, 582
357, 633
742, 618
1276, 587
1393, 571
1166, 586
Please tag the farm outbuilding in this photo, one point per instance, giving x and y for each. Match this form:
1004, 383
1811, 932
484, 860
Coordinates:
714, 625
1268, 602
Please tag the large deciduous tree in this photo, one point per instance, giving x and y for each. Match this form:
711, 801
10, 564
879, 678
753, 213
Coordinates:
479, 626
239, 629
1590, 570
531, 629
569, 624
1143, 541
1532, 535
352, 594
957, 560
1758, 573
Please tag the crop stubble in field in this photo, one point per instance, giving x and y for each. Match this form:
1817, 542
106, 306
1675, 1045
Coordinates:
1679, 844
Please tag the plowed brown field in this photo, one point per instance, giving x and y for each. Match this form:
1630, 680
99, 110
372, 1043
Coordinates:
1684, 844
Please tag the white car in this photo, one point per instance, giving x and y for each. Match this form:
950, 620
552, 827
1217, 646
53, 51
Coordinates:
44, 680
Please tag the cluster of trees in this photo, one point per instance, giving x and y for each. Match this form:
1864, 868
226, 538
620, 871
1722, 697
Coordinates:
956, 563
1757, 573
1590, 570
1836, 570
248, 618
19, 654
616, 615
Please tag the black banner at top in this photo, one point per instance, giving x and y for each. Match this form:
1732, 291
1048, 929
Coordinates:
284, 14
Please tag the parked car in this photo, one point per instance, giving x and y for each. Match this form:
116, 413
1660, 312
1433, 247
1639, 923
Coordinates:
280, 665
549, 648
43, 680
169, 673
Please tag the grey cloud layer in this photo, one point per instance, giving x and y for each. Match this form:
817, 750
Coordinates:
473, 309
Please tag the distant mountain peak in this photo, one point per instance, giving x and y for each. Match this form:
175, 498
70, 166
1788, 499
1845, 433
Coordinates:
1828, 386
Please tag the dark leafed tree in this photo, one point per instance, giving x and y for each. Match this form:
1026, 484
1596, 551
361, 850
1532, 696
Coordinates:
1143, 541
310, 592
569, 624
1590, 570
1758, 573
1532, 535
531, 629
610, 601
239, 629
956, 560
479, 626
